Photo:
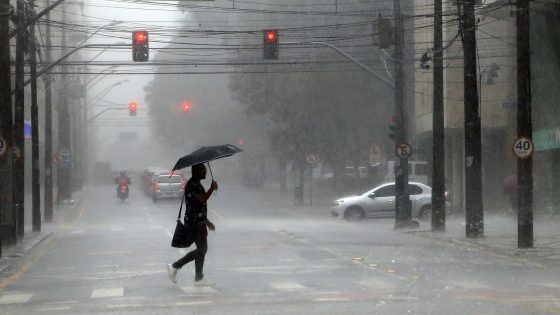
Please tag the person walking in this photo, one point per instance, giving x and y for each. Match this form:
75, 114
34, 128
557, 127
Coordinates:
196, 209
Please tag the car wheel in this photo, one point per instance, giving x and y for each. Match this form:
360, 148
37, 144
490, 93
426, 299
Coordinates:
425, 213
354, 214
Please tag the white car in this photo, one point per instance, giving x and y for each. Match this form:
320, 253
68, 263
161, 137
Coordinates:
380, 203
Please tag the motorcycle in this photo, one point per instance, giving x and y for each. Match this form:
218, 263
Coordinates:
122, 192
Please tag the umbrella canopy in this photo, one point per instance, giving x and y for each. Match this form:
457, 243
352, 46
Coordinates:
206, 154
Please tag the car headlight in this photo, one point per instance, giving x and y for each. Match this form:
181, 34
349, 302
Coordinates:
338, 203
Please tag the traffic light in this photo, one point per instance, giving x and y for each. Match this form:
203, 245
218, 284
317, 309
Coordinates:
384, 33
186, 106
270, 44
140, 46
392, 128
132, 107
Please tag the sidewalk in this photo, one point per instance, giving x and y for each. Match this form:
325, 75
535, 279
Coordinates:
500, 237
500, 231
62, 213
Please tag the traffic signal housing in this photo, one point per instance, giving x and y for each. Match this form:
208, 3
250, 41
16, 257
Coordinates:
132, 107
384, 32
140, 46
270, 44
392, 128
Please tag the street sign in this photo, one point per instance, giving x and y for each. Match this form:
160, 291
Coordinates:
57, 159
404, 150
523, 147
374, 155
311, 158
3, 146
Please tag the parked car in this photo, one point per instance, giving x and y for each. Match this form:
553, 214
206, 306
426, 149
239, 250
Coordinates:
167, 186
379, 202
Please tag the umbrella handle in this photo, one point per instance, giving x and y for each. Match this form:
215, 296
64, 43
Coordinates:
211, 175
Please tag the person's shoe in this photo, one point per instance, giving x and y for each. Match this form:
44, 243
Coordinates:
172, 273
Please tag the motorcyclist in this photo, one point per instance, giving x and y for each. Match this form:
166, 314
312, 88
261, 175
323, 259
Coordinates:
122, 179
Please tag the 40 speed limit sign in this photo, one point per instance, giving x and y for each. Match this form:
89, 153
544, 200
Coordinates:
523, 147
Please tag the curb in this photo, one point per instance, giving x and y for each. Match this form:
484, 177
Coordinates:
520, 255
27, 243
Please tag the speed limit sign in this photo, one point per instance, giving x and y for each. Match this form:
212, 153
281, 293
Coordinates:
404, 150
3, 146
523, 147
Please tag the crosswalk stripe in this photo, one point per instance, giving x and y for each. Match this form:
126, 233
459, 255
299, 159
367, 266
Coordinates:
287, 286
110, 292
193, 303
14, 298
201, 289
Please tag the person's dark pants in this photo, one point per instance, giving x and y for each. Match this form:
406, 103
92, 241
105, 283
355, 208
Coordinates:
201, 242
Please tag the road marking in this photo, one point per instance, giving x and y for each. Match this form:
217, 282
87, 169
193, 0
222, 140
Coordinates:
200, 289
468, 285
104, 293
335, 299
50, 309
78, 232
123, 305
61, 268
287, 286
62, 302
14, 298
193, 303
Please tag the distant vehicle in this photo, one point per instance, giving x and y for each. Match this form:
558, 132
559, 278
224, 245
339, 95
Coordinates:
166, 186
379, 202
148, 176
417, 171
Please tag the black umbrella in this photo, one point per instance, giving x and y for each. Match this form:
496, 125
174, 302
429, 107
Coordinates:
206, 154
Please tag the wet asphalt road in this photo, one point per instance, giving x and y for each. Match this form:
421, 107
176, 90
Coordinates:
110, 259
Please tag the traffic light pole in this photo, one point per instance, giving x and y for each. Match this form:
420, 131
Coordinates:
354, 60
7, 209
524, 128
103, 111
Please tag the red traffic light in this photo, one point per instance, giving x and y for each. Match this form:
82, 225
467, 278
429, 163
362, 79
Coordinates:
140, 37
271, 36
186, 106
132, 107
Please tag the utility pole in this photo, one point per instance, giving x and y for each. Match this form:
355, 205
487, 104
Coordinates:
48, 189
35, 167
402, 198
7, 209
64, 169
524, 128
438, 125
19, 117
473, 161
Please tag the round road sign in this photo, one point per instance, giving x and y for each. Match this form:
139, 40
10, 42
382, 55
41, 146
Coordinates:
523, 147
3, 146
404, 150
311, 158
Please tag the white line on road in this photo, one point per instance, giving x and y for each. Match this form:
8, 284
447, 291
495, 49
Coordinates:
110, 292
335, 299
123, 305
62, 302
50, 309
287, 286
193, 303
14, 298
